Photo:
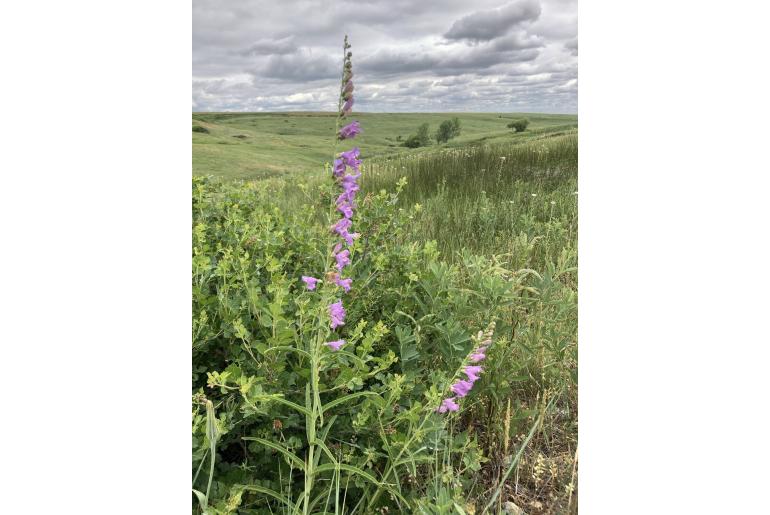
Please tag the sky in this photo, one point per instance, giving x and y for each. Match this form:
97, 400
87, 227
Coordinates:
408, 55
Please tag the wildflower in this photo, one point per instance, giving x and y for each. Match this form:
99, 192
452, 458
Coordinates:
342, 259
335, 345
534, 194
478, 356
339, 168
337, 314
471, 371
349, 237
344, 283
553, 202
351, 157
310, 282
461, 387
346, 208
349, 184
342, 226
351, 130
448, 405
347, 106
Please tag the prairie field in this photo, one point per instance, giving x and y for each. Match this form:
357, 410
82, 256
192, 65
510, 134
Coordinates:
477, 234
255, 145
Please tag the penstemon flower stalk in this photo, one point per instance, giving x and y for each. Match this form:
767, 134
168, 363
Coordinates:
330, 315
457, 385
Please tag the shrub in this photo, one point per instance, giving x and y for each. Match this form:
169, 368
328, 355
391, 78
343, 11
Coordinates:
448, 130
519, 125
412, 142
200, 128
421, 139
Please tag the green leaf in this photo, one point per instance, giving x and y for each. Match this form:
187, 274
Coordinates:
201, 499
346, 398
266, 491
267, 443
294, 405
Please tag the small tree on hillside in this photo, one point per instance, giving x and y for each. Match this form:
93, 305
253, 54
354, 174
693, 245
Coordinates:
421, 139
519, 125
422, 135
448, 130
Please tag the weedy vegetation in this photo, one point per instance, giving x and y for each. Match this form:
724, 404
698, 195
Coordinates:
396, 333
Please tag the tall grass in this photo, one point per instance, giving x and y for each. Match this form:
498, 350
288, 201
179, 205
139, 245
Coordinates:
515, 199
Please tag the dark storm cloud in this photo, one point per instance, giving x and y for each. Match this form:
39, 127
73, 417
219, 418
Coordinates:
493, 23
493, 55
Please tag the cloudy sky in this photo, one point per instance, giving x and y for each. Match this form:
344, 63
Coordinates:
408, 55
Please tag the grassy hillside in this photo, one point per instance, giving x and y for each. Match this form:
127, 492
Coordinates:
256, 145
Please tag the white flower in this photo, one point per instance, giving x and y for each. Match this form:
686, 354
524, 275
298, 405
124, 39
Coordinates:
534, 194
553, 202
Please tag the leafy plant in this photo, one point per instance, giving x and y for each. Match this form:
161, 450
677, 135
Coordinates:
519, 125
448, 129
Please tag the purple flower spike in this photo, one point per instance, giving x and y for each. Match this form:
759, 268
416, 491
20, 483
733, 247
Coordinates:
461, 388
335, 345
351, 130
337, 314
310, 282
343, 259
448, 405
348, 86
472, 372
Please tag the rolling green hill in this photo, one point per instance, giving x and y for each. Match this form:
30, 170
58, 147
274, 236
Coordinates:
254, 145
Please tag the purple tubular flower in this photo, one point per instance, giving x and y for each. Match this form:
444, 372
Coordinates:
471, 371
349, 237
351, 157
448, 405
346, 208
335, 345
348, 106
310, 282
461, 388
351, 130
342, 226
478, 356
337, 314
348, 86
339, 168
344, 283
343, 259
